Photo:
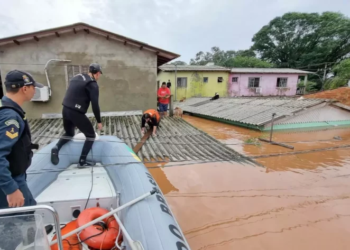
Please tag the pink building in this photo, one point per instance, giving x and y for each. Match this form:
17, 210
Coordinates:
264, 81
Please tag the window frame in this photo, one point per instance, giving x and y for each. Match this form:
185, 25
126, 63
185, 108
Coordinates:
249, 79
278, 82
73, 70
181, 83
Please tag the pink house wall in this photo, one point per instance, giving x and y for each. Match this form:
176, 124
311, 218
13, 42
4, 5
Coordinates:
268, 84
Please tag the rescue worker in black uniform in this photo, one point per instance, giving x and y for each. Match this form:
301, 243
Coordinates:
82, 90
15, 155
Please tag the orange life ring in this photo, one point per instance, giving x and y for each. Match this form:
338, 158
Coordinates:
105, 238
70, 243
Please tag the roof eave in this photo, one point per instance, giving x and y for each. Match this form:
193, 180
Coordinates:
164, 56
294, 73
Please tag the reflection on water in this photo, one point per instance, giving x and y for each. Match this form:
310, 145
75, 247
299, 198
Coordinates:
160, 177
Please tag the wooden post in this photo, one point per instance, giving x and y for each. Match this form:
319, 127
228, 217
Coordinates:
171, 110
273, 119
272, 142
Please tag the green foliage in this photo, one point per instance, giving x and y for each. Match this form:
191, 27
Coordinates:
300, 39
230, 58
342, 75
179, 63
311, 86
252, 141
246, 62
301, 84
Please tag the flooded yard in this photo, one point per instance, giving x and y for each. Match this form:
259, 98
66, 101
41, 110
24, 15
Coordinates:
296, 202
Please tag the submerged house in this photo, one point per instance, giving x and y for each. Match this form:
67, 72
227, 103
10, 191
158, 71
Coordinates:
194, 80
265, 81
54, 56
257, 112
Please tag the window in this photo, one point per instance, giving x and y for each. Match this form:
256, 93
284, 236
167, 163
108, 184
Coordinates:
220, 79
282, 82
182, 82
73, 70
205, 79
254, 82
234, 79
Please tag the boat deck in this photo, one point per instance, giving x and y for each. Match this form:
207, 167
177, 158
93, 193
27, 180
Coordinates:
71, 191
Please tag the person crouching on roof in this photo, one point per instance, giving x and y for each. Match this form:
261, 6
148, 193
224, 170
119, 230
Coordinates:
152, 117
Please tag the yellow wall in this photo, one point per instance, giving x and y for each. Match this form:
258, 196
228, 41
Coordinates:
195, 84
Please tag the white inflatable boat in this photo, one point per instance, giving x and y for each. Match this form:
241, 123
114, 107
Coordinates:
113, 205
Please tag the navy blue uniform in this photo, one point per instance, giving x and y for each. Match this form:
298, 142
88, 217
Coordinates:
15, 158
11, 128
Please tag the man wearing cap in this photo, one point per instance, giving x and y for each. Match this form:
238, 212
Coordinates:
82, 90
15, 140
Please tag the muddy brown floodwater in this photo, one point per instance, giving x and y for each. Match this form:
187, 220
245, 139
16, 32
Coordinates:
296, 202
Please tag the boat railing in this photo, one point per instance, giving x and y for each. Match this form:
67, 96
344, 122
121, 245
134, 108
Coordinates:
19, 210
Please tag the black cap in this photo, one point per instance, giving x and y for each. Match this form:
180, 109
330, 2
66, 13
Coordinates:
94, 68
17, 79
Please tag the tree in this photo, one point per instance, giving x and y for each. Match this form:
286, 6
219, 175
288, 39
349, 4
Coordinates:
245, 53
247, 62
179, 63
342, 75
217, 56
298, 40
245, 58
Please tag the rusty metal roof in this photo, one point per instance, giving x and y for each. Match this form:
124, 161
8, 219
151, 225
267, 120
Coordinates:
256, 111
177, 140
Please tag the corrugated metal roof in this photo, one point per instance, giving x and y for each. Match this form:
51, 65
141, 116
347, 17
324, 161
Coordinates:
269, 70
254, 111
177, 140
321, 114
171, 67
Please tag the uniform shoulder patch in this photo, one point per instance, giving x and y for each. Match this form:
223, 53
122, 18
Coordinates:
12, 128
12, 133
12, 122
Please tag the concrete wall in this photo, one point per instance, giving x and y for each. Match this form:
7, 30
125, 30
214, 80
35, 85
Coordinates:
195, 85
129, 74
268, 85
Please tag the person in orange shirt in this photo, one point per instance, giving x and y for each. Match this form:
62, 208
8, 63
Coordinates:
164, 99
151, 116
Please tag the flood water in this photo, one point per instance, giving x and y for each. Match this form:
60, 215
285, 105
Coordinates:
294, 202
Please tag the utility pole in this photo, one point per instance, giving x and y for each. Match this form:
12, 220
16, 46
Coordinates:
324, 75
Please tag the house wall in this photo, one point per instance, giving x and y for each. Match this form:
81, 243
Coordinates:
268, 85
129, 74
195, 85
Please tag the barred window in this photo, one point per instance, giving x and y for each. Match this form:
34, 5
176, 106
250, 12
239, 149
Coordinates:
73, 70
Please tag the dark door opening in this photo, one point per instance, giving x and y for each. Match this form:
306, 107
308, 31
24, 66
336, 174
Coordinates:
1, 88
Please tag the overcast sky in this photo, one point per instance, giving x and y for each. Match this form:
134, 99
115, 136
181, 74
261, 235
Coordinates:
181, 26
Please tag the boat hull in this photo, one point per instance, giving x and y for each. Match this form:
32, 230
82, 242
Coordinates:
149, 221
